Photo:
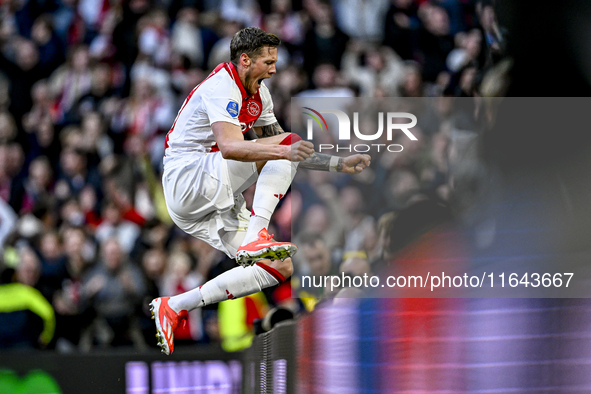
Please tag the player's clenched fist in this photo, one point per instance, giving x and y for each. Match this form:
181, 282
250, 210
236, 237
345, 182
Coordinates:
355, 164
301, 150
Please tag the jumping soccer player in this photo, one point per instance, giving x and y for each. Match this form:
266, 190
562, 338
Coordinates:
208, 164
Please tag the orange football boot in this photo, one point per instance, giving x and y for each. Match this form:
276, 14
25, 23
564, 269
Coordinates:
167, 321
264, 248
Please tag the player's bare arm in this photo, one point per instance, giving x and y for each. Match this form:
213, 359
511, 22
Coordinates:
318, 161
233, 146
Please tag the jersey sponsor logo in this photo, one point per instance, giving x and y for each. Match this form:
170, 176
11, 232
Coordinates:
232, 108
253, 108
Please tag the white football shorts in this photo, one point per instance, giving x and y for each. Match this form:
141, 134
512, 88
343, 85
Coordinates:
203, 194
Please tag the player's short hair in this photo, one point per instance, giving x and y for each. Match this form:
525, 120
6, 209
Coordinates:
251, 40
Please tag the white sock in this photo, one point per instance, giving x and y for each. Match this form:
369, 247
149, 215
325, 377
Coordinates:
256, 224
235, 283
273, 182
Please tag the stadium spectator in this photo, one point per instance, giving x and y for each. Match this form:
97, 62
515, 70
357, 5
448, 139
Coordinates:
191, 40
467, 50
318, 261
246, 12
11, 173
290, 23
327, 82
361, 19
125, 36
72, 315
80, 250
273, 24
287, 84
75, 175
53, 265
435, 41
71, 214
400, 27
154, 38
26, 318
154, 235
101, 98
7, 127
28, 269
114, 225
145, 114
355, 266
324, 43
42, 140
153, 264
22, 69
412, 85
327, 220
51, 52
206, 256
94, 142
494, 34
457, 20
63, 18
382, 254
352, 205
92, 13
42, 108
381, 75
71, 81
220, 51
401, 187
37, 188
115, 288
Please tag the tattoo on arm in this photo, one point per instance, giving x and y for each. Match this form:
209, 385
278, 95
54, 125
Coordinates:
320, 162
271, 130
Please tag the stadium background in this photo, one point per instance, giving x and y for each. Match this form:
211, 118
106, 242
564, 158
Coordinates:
89, 89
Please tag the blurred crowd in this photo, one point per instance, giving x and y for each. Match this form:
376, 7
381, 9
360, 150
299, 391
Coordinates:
88, 91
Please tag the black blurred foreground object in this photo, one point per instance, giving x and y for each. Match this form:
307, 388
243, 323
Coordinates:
539, 145
540, 142
272, 318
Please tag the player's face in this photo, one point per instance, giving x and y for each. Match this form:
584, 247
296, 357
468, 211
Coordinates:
262, 67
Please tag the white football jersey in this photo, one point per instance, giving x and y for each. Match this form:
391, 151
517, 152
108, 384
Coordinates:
219, 98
